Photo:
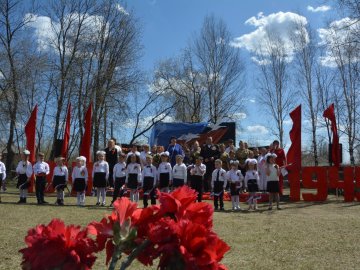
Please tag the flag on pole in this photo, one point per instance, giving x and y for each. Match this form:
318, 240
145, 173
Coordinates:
30, 133
329, 113
293, 156
85, 148
65, 145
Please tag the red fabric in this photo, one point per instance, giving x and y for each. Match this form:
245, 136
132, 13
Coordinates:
65, 145
329, 113
85, 148
293, 156
215, 134
30, 133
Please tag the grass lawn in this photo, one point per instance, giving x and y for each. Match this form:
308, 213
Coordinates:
301, 236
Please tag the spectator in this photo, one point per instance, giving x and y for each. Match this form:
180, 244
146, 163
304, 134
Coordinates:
174, 149
210, 153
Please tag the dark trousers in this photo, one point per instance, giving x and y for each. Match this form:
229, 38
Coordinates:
219, 187
148, 186
219, 198
119, 182
197, 184
208, 174
40, 184
111, 179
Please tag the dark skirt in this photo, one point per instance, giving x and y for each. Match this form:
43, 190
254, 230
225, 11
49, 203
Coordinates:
218, 186
178, 182
252, 185
99, 180
22, 181
148, 183
132, 181
273, 186
234, 189
59, 180
79, 184
164, 180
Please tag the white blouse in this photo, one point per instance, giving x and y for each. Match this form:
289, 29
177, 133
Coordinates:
234, 176
61, 171
165, 167
222, 177
180, 172
79, 173
149, 171
251, 174
198, 170
41, 167
133, 168
24, 167
101, 167
119, 170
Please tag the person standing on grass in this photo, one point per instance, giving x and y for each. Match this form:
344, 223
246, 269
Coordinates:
2, 174
41, 170
235, 178
24, 171
111, 153
60, 179
252, 183
280, 160
179, 173
197, 172
79, 177
100, 176
119, 175
133, 176
218, 184
164, 173
149, 176
272, 173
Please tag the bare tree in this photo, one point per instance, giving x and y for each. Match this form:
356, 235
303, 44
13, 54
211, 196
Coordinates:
221, 65
275, 95
305, 62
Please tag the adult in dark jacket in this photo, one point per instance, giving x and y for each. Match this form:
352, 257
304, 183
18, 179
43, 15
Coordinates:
174, 149
111, 153
210, 152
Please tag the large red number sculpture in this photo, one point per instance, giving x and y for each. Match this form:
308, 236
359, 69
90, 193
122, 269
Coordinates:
320, 184
294, 183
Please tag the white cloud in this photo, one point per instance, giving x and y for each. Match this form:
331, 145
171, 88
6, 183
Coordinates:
339, 35
121, 9
323, 8
145, 121
239, 116
279, 27
257, 130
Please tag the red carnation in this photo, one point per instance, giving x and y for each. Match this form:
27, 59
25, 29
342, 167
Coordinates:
56, 246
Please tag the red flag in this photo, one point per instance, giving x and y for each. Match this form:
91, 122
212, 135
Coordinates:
85, 148
65, 145
294, 154
30, 133
329, 113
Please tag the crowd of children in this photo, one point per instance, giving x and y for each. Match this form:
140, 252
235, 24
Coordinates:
138, 171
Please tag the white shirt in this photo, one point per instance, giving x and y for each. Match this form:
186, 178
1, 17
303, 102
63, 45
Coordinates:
149, 171
133, 168
228, 149
235, 176
180, 172
198, 170
273, 174
61, 171
131, 152
79, 173
24, 167
165, 167
261, 165
41, 167
143, 157
222, 177
3, 170
102, 167
119, 170
251, 174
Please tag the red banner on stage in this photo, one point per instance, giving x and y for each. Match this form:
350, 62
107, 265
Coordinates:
85, 148
294, 154
329, 113
30, 133
65, 145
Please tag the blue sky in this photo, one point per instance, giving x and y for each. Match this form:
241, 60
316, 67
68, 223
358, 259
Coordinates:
169, 24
